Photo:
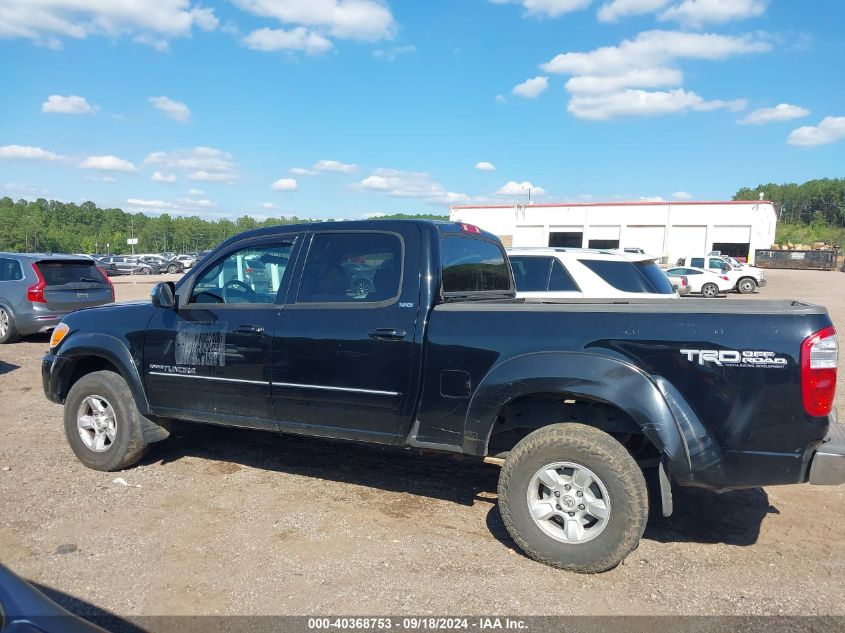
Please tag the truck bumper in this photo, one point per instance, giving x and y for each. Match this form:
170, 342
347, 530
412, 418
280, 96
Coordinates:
761, 283
50, 377
827, 467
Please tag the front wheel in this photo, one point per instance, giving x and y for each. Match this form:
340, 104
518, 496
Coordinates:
172, 270
746, 285
102, 424
710, 290
572, 497
146, 271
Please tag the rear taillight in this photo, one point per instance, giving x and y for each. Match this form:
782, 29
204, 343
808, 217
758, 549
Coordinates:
684, 281
35, 293
819, 356
108, 279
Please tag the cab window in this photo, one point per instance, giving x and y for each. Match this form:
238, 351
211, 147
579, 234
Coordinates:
250, 275
473, 265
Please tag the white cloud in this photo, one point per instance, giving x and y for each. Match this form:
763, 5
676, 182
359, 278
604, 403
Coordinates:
696, 13
27, 152
176, 110
645, 78
105, 178
612, 81
285, 184
830, 130
45, 22
513, 188
682, 195
204, 164
301, 171
500, 99
531, 88
107, 163
269, 205
612, 11
162, 177
485, 166
71, 104
643, 103
390, 54
367, 20
196, 192
334, 165
372, 215
781, 112
140, 202
650, 199
547, 8
199, 203
408, 184
653, 49
298, 39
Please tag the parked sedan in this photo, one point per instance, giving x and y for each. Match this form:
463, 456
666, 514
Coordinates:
169, 266
704, 282
131, 265
37, 290
680, 283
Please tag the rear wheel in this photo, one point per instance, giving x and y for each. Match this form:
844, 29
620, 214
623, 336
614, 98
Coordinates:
746, 285
146, 271
572, 497
102, 424
8, 331
710, 290
172, 269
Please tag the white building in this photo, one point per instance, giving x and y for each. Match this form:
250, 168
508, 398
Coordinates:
666, 229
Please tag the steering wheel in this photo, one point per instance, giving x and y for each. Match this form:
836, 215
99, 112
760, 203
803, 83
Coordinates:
249, 293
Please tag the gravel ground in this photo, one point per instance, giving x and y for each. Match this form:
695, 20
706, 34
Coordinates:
221, 521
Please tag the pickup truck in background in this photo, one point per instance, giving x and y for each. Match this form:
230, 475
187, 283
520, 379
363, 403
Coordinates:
577, 400
746, 279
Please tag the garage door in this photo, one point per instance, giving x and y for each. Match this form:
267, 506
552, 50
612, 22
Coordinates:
734, 234
528, 236
686, 240
648, 238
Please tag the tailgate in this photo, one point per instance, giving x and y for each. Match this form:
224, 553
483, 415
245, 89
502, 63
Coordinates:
73, 284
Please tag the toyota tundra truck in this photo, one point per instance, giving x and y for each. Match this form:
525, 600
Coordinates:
578, 401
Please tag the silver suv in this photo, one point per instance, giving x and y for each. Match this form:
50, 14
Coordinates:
37, 290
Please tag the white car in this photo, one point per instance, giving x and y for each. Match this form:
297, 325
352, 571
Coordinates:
186, 260
704, 282
746, 279
580, 273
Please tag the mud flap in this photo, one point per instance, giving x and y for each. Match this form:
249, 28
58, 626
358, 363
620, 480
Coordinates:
665, 489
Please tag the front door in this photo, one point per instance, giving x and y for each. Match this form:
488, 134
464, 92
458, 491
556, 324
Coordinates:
344, 352
209, 359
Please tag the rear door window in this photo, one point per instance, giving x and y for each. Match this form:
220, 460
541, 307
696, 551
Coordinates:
630, 277
697, 262
561, 280
352, 268
59, 273
10, 270
473, 265
531, 274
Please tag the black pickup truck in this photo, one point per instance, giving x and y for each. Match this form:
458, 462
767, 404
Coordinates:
577, 400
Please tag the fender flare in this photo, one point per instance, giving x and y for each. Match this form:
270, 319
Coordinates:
82, 345
578, 374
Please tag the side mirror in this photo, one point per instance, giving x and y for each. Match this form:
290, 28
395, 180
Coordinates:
163, 295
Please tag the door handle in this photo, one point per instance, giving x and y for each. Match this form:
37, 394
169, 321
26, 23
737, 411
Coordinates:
248, 329
387, 334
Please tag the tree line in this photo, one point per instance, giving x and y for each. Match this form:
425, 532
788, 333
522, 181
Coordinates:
65, 227
813, 211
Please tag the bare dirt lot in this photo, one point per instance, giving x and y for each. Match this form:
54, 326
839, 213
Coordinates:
220, 521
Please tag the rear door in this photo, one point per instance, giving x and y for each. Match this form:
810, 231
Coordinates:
542, 277
344, 350
72, 284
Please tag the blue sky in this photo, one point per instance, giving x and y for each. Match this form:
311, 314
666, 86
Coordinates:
345, 108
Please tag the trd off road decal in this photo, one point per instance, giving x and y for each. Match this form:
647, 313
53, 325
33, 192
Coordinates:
199, 343
735, 358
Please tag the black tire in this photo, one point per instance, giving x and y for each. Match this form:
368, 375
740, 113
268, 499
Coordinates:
172, 270
610, 462
128, 446
146, 271
709, 290
746, 285
8, 331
